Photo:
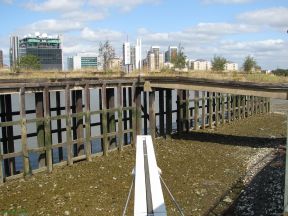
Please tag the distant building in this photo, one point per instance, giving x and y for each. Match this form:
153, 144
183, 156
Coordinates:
231, 66
83, 61
155, 59
46, 48
1, 59
14, 50
132, 56
171, 53
200, 65
115, 64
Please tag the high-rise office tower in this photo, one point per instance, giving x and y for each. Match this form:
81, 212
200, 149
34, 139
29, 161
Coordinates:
127, 57
138, 54
171, 53
83, 61
14, 50
46, 48
155, 59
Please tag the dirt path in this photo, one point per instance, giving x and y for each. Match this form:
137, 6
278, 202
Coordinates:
198, 167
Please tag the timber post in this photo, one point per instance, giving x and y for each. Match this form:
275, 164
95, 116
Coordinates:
26, 163
87, 123
168, 113
47, 126
152, 119
68, 125
120, 117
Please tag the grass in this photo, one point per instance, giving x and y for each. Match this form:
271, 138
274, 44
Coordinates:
228, 76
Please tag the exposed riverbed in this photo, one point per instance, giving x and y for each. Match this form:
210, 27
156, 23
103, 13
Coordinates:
200, 168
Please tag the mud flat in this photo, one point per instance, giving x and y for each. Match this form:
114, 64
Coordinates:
205, 170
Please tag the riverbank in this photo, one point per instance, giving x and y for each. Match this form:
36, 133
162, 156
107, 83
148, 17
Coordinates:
200, 168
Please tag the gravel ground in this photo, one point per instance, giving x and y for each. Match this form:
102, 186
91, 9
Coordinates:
202, 169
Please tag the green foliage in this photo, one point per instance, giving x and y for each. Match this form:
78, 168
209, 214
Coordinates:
218, 63
249, 64
179, 60
29, 62
280, 72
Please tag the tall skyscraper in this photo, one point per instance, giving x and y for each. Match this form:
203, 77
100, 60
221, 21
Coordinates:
14, 50
155, 59
46, 48
171, 53
1, 59
127, 57
138, 54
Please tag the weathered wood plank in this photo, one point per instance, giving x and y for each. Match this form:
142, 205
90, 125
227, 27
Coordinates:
168, 112
152, 119
179, 111
111, 124
210, 111
68, 125
196, 109
47, 126
105, 144
203, 116
39, 105
120, 117
161, 112
223, 110
87, 123
26, 162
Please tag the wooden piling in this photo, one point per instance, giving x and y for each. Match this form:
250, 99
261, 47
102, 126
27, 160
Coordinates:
152, 115
111, 124
239, 106
203, 110
223, 110
196, 109
186, 110
125, 121
39, 109
59, 125
26, 164
229, 107
7, 134
179, 111
87, 123
145, 110
217, 100
105, 144
137, 99
47, 128
243, 102
79, 122
161, 112
234, 107
210, 111
120, 117
68, 125
168, 113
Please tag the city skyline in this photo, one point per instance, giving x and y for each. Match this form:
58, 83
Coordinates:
232, 29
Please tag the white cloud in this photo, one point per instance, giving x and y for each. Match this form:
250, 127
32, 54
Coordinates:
273, 17
84, 15
124, 5
101, 34
55, 5
51, 26
226, 1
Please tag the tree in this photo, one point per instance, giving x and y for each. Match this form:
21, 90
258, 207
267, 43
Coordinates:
218, 63
249, 64
179, 60
106, 52
28, 62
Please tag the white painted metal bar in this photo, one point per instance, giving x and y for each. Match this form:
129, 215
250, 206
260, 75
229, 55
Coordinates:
148, 199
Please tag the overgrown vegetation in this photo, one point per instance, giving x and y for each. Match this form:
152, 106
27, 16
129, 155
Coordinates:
179, 61
280, 72
249, 64
28, 62
218, 63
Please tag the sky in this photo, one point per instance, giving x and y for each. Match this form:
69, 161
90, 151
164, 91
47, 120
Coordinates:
232, 29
